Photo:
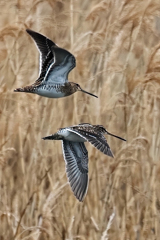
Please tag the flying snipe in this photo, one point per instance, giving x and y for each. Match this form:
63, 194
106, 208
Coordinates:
76, 155
55, 65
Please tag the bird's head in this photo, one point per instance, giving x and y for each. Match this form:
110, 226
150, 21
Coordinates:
77, 87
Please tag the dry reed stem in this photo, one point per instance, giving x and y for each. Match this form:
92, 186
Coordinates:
105, 233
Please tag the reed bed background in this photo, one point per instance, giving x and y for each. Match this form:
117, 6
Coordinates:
117, 47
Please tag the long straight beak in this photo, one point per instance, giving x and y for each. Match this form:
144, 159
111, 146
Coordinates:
88, 93
116, 136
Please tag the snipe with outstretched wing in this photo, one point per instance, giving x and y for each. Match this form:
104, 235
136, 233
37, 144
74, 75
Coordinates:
55, 65
76, 155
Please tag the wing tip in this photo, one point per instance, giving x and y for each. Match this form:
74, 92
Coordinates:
79, 186
80, 190
28, 30
109, 153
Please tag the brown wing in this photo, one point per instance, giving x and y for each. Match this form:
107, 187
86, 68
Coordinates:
97, 139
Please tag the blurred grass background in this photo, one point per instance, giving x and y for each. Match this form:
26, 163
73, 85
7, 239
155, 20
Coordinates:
117, 47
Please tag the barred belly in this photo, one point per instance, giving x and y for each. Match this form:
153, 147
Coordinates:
50, 91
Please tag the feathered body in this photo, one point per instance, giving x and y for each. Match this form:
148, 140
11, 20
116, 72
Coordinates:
76, 155
55, 65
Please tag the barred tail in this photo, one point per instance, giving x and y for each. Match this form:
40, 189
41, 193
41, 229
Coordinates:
19, 90
53, 137
48, 138
29, 89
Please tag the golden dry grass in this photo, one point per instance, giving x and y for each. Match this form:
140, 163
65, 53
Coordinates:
117, 47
